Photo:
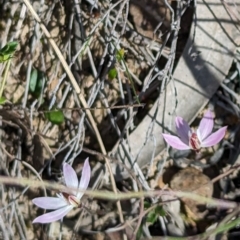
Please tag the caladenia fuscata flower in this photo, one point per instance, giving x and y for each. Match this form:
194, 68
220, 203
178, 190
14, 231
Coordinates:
202, 137
66, 201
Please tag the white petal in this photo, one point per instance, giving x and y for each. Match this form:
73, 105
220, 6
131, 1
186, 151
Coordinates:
205, 126
49, 202
175, 142
183, 129
70, 177
214, 138
86, 175
53, 216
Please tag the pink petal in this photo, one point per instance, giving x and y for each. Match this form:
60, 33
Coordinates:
49, 202
70, 176
86, 175
214, 138
183, 129
175, 142
206, 126
53, 216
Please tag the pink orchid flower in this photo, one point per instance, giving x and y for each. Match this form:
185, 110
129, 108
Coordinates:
189, 139
64, 202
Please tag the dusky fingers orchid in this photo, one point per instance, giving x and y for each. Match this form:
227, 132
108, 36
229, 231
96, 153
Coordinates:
189, 139
64, 202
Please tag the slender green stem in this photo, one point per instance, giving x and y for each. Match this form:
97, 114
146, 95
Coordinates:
5, 77
107, 195
128, 74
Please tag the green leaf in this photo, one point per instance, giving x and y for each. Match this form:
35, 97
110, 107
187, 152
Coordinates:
160, 211
147, 205
40, 82
55, 117
155, 213
152, 217
139, 233
7, 51
33, 80
112, 73
9, 48
37, 80
2, 100
120, 54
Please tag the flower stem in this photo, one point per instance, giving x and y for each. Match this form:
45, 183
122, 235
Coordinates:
5, 77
